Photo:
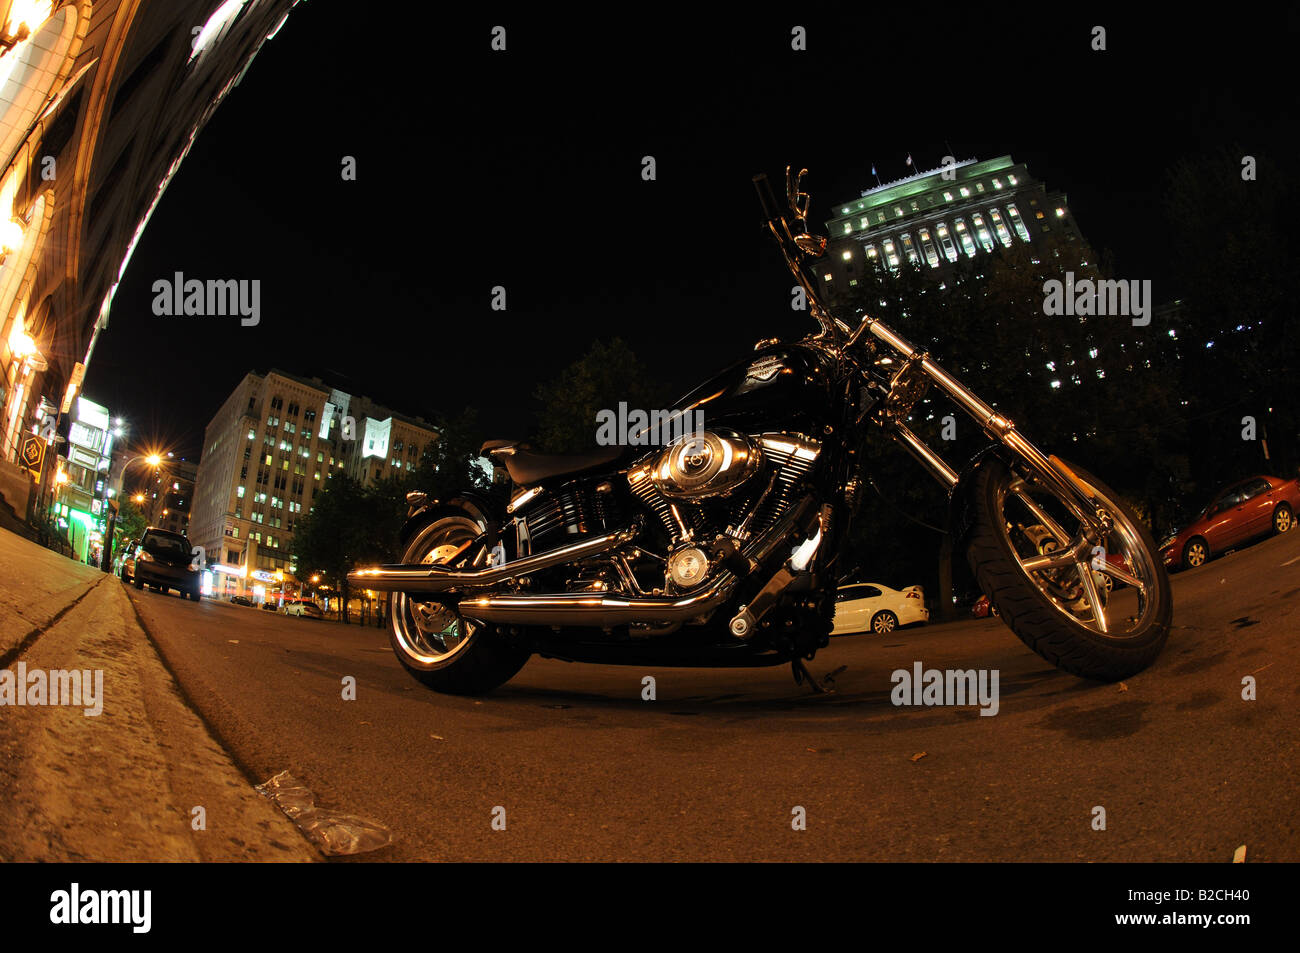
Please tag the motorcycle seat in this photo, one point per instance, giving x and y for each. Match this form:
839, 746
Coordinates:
527, 467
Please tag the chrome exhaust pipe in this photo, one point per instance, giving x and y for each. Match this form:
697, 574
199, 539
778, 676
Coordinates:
424, 578
592, 609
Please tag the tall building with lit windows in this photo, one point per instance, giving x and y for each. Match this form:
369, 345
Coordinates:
276, 440
938, 218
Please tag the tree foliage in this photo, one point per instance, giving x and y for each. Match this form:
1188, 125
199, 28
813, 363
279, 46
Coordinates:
600, 379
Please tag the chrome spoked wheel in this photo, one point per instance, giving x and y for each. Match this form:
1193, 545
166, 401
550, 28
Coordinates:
1044, 560
884, 623
430, 635
1075, 563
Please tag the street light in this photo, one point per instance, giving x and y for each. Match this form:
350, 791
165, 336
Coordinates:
153, 459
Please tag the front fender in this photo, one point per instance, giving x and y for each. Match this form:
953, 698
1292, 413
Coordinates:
957, 495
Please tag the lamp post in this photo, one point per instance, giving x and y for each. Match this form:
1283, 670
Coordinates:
114, 493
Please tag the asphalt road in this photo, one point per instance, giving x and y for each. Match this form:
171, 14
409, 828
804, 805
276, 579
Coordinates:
714, 768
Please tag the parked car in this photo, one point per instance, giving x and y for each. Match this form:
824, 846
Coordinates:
165, 560
126, 560
304, 609
983, 608
1240, 513
871, 607
242, 601
270, 606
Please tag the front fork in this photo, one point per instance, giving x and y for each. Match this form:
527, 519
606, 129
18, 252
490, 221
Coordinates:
1054, 474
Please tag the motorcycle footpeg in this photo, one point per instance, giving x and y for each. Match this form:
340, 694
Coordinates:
745, 622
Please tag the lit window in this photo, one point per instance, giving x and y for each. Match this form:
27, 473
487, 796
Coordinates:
963, 235
1011, 179
982, 232
863, 223
847, 255
891, 256
239, 493
268, 459
251, 435
1000, 227
931, 255
898, 210
949, 249
827, 276
853, 282
947, 196
848, 228
997, 183
979, 186
965, 192
1060, 212
909, 248
1018, 223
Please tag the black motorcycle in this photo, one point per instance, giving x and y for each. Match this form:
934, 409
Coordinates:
721, 548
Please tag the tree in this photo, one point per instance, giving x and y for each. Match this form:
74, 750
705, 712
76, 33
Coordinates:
349, 525
599, 380
131, 520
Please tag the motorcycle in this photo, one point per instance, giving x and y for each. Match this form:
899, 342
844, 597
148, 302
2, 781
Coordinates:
721, 547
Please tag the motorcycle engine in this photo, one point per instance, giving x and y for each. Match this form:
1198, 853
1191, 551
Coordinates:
705, 465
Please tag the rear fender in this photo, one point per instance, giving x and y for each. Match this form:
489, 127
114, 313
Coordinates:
477, 506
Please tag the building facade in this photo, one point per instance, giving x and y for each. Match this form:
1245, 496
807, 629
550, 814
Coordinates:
275, 442
938, 218
100, 103
82, 482
171, 494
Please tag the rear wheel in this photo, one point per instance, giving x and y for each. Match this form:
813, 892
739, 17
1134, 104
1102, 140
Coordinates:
1041, 563
439, 647
884, 622
1283, 518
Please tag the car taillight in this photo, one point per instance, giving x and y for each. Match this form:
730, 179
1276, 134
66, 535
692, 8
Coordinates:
914, 595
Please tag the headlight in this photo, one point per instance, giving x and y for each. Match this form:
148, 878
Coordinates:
144, 557
1167, 542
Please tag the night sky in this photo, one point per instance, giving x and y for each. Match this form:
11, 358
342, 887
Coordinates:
522, 169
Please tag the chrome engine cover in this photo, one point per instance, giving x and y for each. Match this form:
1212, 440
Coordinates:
705, 465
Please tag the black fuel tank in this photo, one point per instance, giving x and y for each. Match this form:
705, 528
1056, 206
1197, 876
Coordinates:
779, 387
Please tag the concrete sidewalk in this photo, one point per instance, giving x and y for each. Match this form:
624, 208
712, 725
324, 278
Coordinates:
142, 779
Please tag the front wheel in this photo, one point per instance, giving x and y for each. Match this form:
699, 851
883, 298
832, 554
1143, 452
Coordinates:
1044, 572
438, 646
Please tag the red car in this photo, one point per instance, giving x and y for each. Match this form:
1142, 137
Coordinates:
1255, 507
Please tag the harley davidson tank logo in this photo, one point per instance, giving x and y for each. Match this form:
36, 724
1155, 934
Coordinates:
765, 369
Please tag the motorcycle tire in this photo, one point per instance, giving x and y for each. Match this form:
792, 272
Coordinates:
483, 658
1039, 621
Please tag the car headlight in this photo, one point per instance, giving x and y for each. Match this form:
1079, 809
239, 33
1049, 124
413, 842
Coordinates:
1167, 542
144, 557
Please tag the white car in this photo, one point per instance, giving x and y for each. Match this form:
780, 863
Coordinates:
871, 607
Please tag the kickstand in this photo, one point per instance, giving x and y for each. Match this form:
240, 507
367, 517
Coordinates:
801, 672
